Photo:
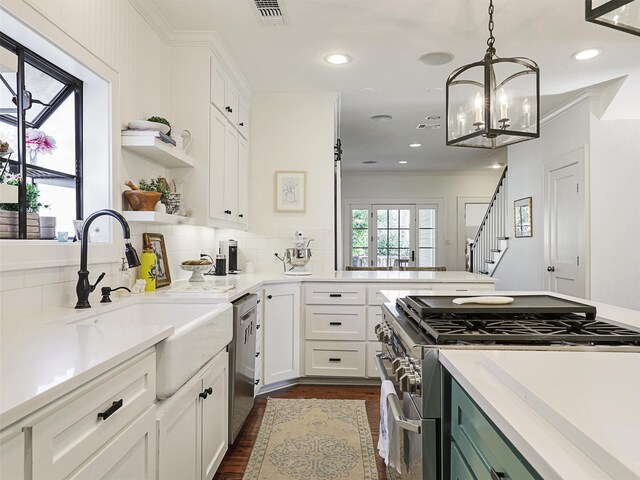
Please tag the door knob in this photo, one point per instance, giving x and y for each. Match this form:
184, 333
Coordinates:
551, 268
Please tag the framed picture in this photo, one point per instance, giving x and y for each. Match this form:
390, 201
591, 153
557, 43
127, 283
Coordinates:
523, 218
156, 240
291, 191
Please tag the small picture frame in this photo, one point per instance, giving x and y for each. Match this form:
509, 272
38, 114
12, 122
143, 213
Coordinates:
523, 218
156, 240
291, 191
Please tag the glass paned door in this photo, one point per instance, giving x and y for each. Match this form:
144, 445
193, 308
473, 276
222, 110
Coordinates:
393, 236
359, 236
427, 215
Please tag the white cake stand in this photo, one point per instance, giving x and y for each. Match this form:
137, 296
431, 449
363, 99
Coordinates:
196, 271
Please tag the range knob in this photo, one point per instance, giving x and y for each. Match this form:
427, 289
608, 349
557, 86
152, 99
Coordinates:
383, 333
400, 367
411, 382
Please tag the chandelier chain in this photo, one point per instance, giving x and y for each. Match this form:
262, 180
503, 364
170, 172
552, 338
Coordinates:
491, 40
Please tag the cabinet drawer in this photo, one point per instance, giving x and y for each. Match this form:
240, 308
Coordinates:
373, 348
335, 359
335, 322
335, 294
374, 297
374, 317
65, 438
480, 444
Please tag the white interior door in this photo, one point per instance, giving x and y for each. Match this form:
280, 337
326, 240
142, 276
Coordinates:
393, 239
565, 217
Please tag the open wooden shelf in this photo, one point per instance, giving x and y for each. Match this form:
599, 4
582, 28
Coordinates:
156, 150
156, 217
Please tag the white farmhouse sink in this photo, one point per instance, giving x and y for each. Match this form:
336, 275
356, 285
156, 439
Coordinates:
200, 331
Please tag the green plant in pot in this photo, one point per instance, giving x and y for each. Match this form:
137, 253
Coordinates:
33, 203
162, 120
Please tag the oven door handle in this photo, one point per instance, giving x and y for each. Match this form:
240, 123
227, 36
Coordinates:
394, 401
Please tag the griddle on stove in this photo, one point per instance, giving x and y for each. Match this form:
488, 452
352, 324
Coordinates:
529, 320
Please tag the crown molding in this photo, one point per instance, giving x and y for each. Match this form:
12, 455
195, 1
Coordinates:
575, 102
191, 38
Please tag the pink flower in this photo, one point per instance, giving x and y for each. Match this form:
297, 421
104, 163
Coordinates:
39, 142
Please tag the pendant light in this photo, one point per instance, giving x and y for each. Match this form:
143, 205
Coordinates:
622, 15
494, 102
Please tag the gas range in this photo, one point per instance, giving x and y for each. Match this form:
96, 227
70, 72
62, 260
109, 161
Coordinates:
415, 329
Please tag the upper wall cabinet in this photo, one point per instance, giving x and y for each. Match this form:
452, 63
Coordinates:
227, 98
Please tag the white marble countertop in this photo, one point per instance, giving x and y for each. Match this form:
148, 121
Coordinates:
571, 414
46, 361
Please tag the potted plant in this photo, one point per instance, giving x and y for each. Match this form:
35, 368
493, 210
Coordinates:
8, 192
147, 194
9, 214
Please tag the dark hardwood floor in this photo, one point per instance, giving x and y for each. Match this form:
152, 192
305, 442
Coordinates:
236, 459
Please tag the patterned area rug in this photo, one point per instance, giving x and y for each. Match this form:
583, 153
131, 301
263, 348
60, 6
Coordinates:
312, 439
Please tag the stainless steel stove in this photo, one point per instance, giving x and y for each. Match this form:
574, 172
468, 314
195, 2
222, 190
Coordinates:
416, 328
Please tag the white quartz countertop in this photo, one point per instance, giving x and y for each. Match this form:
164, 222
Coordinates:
245, 283
45, 361
572, 415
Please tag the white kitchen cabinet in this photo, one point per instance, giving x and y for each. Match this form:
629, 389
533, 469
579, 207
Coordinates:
335, 322
243, 182
193, 424
228, 173
225, 94
130, 454
66, 435
12, 454
219, 80
335, 359
281, 333
243, 118
259, 375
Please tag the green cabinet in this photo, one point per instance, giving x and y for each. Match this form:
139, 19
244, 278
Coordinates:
478, 449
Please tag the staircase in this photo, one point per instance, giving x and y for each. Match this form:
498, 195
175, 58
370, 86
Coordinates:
492, 241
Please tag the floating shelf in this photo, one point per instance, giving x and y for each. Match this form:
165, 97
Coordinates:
8, 193
156, 217
156, 150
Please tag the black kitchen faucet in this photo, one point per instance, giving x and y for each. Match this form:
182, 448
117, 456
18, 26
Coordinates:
83, 287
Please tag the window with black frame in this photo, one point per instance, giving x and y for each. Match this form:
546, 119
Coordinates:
40, 145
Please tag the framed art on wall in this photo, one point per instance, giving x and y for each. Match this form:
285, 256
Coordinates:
523, 218
291, 191
156, 240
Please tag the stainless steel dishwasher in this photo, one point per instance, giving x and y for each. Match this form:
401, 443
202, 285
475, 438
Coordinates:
242, 356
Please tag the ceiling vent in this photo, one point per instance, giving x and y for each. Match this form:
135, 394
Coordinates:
270, 12
421, 126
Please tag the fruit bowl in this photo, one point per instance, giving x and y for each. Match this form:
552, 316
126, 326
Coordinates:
196, 271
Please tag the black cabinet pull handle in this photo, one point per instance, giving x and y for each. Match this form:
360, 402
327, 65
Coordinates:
257, 354
335, 323
335, 359
497, 475
269, 297
335, 295
115, 406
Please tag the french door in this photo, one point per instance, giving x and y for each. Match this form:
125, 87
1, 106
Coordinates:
393, 235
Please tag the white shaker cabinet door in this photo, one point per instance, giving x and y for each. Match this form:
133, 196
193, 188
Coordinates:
219, 81
281, 333
179, 436
131, 454
243, 182
230, 187
217, 151
215, 413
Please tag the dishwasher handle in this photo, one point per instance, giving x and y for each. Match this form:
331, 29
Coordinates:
394, 401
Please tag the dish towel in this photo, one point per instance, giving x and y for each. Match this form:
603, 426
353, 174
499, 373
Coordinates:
389, 439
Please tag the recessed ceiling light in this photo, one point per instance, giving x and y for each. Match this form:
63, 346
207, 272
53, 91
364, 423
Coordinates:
337, 58
403, 162
586, 54
415, 145
381, 118
367, 90
369, 162
436, 58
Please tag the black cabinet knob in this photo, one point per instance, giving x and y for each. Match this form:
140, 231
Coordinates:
228, 212
241, 215
256, 382
241, 124
209, 390
203, 395
269, 297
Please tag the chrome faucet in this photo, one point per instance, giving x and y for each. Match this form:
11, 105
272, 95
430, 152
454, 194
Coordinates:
83, 287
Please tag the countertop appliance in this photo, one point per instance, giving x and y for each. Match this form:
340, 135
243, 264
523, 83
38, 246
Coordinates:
230, 249
242, 354
417, 328
297, 256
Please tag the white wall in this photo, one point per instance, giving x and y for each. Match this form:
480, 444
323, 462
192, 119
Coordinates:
358, 187
114, 40
615, 217
289, 132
